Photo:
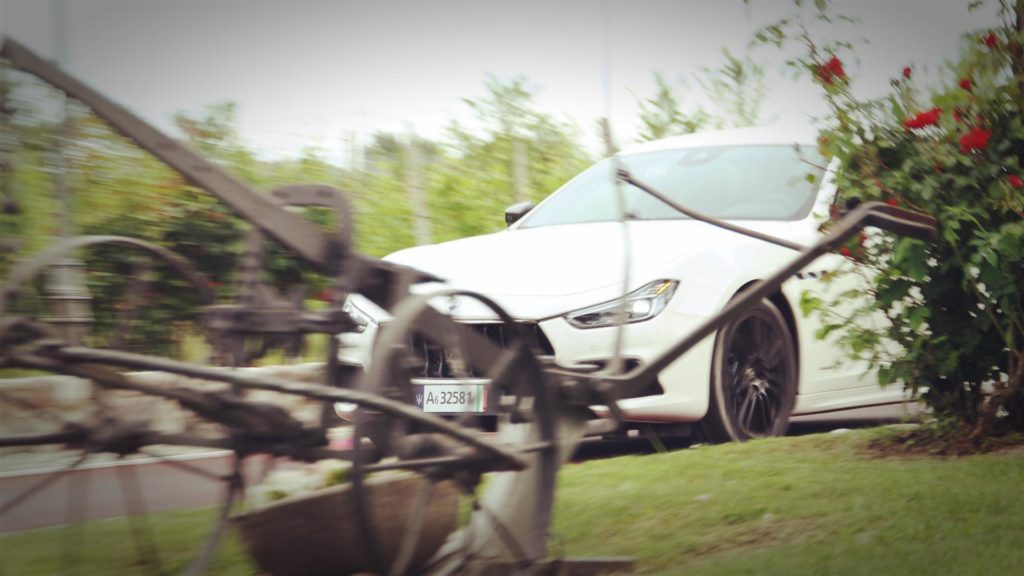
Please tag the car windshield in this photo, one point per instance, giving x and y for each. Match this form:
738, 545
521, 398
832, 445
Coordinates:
775, 182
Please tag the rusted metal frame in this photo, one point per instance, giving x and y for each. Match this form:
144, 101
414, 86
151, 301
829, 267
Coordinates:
63, 437
432, 323
290, 229
28, 269
278, 447
890, 218
524, 376
503, 458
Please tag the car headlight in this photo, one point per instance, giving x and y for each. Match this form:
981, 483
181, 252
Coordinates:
362, 319
642, 304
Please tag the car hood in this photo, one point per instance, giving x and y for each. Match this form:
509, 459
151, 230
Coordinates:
545, 271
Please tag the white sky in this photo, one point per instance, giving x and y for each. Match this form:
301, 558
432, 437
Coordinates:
308, 72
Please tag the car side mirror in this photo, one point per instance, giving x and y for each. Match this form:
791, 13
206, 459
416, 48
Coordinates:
516, 211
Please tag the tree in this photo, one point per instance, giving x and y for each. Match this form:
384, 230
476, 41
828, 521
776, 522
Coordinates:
474, 186
661, 115
736, 92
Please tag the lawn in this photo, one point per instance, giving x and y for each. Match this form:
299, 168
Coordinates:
807, 505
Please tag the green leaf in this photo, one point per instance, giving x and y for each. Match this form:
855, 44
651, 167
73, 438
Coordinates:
917, 317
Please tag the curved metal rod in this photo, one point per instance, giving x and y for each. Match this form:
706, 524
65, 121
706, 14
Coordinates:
73, 354
625, 176
28, 269
890, 218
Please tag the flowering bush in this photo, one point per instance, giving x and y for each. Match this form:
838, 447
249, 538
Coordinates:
955, 307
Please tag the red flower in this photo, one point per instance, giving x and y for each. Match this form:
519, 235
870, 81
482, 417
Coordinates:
325, 295
975, 139
990, 40
1016, 181
831, 71
957, 115
906, 71
966, 84
845, 251
923, 119
893, 202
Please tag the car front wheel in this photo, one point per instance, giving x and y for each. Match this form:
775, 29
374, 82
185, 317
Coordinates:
753, 378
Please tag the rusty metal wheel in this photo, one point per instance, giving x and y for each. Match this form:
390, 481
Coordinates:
77, 456
484, 375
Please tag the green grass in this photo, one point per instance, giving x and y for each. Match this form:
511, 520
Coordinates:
807, 505
108, 547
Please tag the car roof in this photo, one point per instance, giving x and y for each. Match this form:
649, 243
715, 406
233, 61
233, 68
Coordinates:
764, 135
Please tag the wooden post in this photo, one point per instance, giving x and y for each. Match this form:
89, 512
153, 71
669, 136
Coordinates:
421, 228
520, 171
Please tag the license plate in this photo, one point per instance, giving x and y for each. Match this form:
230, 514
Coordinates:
459, 398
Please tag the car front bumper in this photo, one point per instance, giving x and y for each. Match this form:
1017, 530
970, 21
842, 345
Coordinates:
678, 394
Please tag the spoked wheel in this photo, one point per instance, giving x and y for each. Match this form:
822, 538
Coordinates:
484, 377
83, 492
753, 378
75, 453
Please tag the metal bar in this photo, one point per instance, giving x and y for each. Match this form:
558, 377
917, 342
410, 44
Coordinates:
44, 439
506, 458
28, 269
293, 231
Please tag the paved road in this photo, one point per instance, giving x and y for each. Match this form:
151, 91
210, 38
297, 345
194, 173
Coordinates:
104, 488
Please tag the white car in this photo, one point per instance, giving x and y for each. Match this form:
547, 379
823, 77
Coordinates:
559, 271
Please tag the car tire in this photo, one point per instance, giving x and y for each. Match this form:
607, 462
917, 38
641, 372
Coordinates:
753, 378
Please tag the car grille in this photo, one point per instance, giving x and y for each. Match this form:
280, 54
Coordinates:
433, 361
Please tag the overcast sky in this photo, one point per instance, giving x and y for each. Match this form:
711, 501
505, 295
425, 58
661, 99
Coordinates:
310, 72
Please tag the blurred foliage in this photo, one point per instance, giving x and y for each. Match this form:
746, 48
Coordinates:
954, 307
117, 188
735, 92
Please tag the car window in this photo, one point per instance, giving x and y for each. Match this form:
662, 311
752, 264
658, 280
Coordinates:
775, 182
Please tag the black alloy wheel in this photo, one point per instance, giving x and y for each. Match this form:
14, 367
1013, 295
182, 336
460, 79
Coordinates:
753, 378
